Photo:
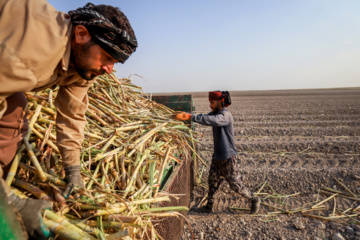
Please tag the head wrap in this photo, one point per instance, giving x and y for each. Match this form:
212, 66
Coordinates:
224, 96
104, 32
216, 95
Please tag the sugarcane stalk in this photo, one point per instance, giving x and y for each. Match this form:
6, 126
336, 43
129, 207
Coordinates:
352, 217
51, 144
135, 172
92, 114
261, 188
14, 166
51, 99
93, 135
49, 177
277, 208
97, 125
333, 191
48, 110
64, 232
344, 196
45, 138
102, 114
162, 169
325, 200
123, 170
333, 213
45, 120
32, 189
141, 140
64, 221
128, 128
343, 185
34, 160
357, 208
103, 149
33, 120
104, 175
96, 172
165, 209
106, 112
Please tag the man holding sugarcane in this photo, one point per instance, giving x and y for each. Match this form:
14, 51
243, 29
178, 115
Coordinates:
41, 48
223, 163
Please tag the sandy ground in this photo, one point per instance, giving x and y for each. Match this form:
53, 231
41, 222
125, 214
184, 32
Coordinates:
291, 145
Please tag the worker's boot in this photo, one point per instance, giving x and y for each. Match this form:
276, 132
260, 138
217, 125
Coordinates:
255, 205
204, 209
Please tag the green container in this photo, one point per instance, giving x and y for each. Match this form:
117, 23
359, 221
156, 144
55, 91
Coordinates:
183, 103
10, 228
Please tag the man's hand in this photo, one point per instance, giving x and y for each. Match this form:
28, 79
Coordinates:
30, 211
73, 178
183, 116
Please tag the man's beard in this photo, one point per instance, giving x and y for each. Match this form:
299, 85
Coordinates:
80, 57
216, 109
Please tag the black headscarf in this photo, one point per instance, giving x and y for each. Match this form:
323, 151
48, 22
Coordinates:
104, 32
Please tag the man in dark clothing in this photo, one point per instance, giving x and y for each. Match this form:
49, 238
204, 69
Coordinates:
223, 162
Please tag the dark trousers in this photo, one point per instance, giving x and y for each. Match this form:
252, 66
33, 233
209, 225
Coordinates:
13, 128
229, 170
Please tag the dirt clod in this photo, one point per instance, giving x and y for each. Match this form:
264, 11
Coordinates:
337, 236
298, 224
349, 230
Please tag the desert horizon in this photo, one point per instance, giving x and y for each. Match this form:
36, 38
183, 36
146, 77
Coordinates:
200, 94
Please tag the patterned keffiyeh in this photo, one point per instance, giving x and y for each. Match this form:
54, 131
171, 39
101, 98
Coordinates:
115, 41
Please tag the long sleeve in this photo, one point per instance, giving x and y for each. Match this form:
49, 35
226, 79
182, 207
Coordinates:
215, 120
71, 103
223, 132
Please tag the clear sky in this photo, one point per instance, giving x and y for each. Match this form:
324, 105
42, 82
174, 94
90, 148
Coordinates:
202, 45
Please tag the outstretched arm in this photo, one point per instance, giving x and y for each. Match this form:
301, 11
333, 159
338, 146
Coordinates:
215, 120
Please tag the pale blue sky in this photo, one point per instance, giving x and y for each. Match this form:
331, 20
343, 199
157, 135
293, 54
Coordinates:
202, 45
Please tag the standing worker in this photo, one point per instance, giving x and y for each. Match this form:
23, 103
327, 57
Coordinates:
223, 162
41, 48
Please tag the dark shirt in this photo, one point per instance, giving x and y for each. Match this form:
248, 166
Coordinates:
223, 132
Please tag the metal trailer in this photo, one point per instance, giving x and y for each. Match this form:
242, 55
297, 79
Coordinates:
180, 178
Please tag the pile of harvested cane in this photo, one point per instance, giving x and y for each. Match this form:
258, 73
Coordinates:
129, 142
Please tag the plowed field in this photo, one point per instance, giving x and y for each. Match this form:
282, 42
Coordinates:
290, 145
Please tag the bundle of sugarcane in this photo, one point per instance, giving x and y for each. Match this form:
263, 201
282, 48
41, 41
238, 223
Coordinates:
129, 142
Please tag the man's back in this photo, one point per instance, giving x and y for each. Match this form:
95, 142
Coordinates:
223, 132
33, 40
224, 142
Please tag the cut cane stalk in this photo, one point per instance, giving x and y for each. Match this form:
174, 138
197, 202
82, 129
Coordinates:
325, 200
32, 189
33, 120
51, 178
14, 166
34, 160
